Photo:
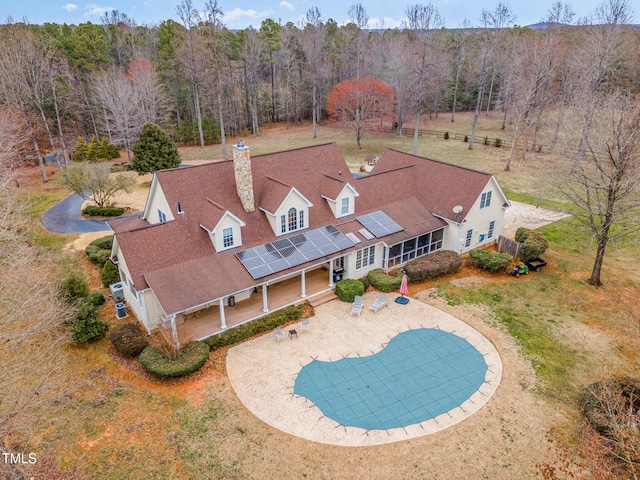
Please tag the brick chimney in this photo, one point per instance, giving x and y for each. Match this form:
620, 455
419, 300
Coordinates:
244, 178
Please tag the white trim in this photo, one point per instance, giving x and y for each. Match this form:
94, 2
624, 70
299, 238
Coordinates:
152, 188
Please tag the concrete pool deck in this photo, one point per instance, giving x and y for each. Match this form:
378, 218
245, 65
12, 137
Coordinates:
263, 371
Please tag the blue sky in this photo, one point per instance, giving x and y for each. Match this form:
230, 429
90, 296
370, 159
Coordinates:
243, 13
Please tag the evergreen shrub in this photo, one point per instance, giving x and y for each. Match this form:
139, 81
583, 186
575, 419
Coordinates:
384, 282
492, 262
192, 357
432, 265
128, 339
347, 289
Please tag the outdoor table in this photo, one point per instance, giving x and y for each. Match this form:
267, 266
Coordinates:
293, 332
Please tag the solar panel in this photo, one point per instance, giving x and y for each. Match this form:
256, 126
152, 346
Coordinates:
289, 252
379, 224
353, 237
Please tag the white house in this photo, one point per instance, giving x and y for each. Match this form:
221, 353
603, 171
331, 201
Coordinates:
224, 243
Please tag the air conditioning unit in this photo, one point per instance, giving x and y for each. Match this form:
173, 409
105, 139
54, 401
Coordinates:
121, 310
117, 292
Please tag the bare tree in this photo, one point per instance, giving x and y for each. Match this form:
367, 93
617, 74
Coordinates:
421, 20
605, 187
94, 182
190, 18
535, 64
600, 58
492, 22
357, 15
31, 317
214, 16
313, 42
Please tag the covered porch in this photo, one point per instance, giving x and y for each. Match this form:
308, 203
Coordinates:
209, 321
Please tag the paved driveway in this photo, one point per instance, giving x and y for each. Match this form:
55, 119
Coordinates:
66, 217
529, 216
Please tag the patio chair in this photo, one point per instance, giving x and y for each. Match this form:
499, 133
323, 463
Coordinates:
357, 305
379, 303
304, 325
278, 333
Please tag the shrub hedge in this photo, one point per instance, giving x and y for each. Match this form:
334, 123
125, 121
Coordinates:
384, 282
437, 263
192, 357
94, 211
99, 250
87, 327
347, 289
110, 274
97, 299
248, 330
493, 262
128, 339
533, 243
74, 288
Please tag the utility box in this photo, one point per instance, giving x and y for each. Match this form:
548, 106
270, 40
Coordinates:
121, 310
117, 292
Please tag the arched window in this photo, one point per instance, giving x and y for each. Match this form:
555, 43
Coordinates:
293, 219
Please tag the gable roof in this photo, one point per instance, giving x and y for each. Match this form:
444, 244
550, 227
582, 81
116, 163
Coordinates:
177, 260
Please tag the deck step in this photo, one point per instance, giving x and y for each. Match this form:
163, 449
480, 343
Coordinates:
322, 298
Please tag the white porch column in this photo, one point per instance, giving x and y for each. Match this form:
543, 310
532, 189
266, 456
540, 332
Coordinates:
303, 276
331, 284
174, 331
265, 305
223, 321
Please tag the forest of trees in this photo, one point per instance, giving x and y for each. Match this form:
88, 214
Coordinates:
202, 82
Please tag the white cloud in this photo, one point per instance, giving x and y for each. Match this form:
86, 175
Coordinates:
70, 7
238, 15
286, 5
385, 22
92, 10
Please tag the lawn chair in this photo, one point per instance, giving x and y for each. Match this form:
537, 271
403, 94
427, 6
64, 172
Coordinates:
379, 303
357, 305
304, 325
278, 333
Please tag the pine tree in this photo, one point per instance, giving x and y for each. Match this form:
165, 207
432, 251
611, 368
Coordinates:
154, 150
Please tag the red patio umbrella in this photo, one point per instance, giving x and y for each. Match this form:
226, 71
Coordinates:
404, 289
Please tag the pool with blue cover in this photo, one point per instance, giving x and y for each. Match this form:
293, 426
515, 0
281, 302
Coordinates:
417, 376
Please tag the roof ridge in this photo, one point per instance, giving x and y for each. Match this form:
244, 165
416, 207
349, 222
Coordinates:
269, 177
295, 149
214, 203
438, 161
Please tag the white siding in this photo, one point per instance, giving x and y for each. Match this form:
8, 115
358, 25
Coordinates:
479, 219
292, 200
350, 263
155, 202
227, 221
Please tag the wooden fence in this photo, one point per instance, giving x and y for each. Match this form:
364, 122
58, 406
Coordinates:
507, 245
479, 140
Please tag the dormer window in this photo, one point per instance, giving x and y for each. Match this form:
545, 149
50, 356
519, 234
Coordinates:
345, 206
292, 221
227, 237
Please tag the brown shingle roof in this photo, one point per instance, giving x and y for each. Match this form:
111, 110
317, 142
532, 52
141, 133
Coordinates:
179, 262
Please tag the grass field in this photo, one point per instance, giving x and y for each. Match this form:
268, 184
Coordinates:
114, 422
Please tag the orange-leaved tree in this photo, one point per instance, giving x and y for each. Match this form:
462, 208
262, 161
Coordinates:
356, 101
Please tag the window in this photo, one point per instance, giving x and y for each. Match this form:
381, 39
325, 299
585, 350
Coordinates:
365, 257
345, 206
492, 226
161, 216
293, 219
467, 241
485, 200
227, 237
